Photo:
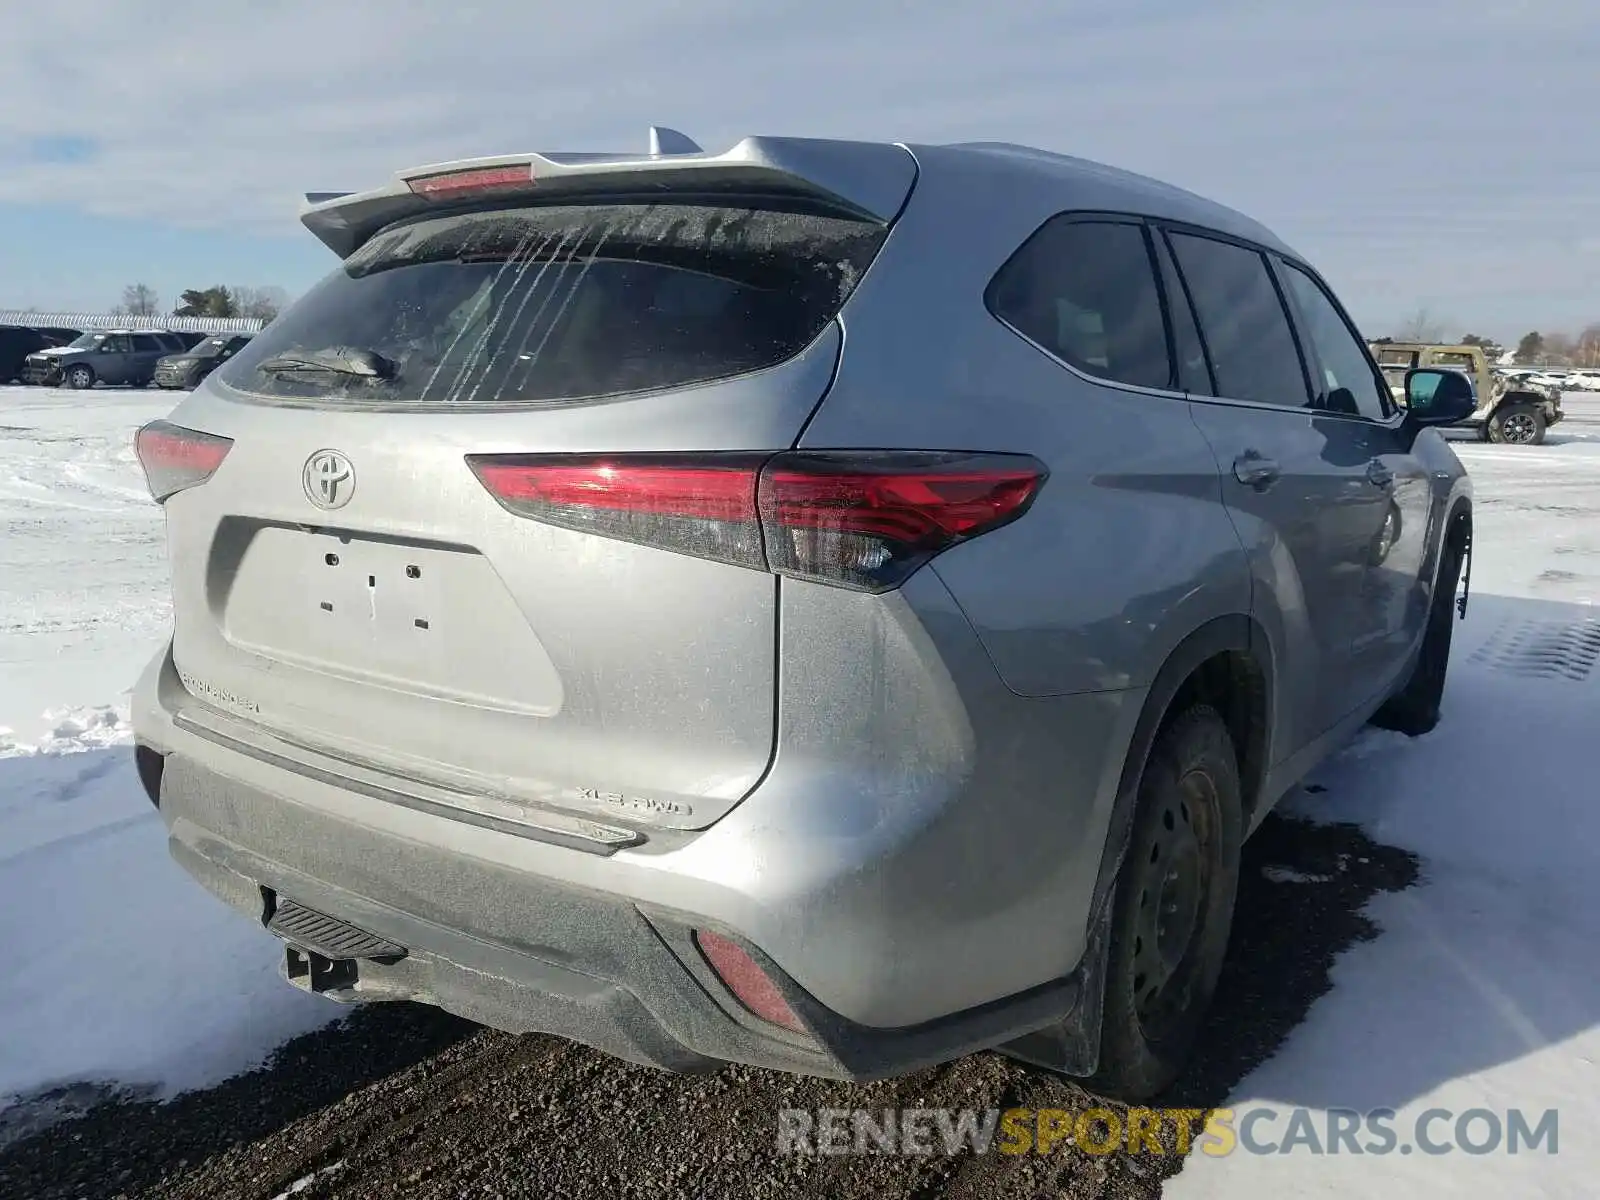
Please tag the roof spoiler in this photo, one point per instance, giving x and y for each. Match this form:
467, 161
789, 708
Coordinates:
866, 179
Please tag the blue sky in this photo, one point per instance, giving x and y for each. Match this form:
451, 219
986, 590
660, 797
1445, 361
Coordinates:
1424, 153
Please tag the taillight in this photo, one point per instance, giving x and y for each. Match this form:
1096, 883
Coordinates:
857, 519
867, 521
746, 980
449, 185
175, 458
700, 505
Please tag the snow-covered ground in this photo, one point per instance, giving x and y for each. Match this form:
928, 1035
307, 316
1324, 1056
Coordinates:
83, 600
1483, 990
118, 968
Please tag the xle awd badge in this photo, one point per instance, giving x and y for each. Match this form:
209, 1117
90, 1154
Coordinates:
329, 479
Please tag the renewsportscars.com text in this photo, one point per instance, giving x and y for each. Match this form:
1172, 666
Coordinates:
1160, 1131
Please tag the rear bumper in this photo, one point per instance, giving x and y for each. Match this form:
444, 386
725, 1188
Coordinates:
536, 956
916, 883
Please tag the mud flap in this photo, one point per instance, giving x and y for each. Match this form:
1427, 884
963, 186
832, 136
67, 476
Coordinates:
1072, 1045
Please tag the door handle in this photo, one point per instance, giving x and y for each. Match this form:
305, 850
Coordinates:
1378, 474
1252, 469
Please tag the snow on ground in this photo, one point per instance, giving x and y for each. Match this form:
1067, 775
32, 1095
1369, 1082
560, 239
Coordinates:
83, 599
118, 968
1483, 990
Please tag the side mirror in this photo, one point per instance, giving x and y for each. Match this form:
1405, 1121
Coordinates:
1438, 397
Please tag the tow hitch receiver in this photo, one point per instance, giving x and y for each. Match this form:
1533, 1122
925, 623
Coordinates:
309, 970
322, 953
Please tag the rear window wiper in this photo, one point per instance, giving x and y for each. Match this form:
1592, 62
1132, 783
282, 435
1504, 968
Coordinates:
338, 360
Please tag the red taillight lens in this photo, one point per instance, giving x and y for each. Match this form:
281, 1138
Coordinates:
868, 521
746, 980
448, 185
175, 458
703, 505
857, 519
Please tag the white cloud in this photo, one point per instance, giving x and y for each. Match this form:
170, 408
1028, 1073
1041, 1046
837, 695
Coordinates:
1415, 148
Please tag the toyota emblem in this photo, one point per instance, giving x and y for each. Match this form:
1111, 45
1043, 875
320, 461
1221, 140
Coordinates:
329, 479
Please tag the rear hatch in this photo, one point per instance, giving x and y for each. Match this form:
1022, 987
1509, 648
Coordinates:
349, 582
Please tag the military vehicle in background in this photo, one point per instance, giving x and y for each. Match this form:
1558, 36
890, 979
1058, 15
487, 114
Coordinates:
1511, 411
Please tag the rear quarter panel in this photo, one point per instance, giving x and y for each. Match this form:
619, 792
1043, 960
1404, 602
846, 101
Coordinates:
1128, 547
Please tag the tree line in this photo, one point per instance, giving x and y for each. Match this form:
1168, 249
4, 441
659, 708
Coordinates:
263, 303
1554, 349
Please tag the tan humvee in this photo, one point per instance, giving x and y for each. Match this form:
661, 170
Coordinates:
1514, 412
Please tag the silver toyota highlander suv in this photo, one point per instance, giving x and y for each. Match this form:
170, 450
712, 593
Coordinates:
825, 605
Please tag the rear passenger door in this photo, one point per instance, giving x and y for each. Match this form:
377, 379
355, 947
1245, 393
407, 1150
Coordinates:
1293, 479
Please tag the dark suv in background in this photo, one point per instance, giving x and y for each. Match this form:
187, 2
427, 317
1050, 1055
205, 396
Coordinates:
186, 370
16, 343
102, 356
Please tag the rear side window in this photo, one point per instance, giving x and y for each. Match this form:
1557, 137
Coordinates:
560, 303
1247, 333
1086, 292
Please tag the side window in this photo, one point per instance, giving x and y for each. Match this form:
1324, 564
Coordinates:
117, 343
1349, 384
145, 343
1397, 358
1251, 344
1194, 375
1086, 292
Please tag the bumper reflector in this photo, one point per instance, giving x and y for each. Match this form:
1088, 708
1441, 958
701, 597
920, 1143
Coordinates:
746, 980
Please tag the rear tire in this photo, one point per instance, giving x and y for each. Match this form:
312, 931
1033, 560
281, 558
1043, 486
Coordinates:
1414, 709
1517, 425
1173, 907
80, 378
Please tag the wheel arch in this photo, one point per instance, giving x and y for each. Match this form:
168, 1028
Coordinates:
1228, 663
1073, 1045
1456, 532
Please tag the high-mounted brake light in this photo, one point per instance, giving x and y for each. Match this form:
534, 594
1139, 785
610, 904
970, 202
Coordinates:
175, 458
863, 520
449, 185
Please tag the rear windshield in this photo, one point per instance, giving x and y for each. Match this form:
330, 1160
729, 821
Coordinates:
561, 303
